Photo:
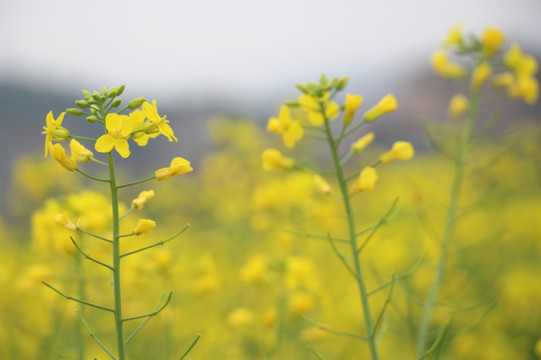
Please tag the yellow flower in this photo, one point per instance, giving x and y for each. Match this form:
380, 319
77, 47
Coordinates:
63, 220
255, 270
503, 80
311, 105
240, 317
54, 131
362, 143
274, 160
178, 166
151, 112
59, 154
366, 181
321, 185
526, 88
290, 130
144, 226
443, 66
458, 105
78, 152
479, 75
385, 105
401, 150
454, 35
513, 56
143, 197
142, 131
352, 103
118, 128
301, 302
492, 39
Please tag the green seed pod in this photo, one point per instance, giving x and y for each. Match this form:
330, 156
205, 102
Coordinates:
81, 103
120, 90
342, 84
87, 94
74, 111
91, 119
135, 103
116, 102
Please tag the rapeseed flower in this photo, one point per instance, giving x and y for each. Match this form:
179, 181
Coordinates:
454, 36
151, 112
144, 226
118, 128
178, 166
458, 105
366, 181
141, 200
359, 145
54, 131
492, 40
312, 105
384, 106
290, 130
59, 154
321, 185
79, 153
63, 220
274, 160
350, 107
443, 66
140, 128
479, 75
401, 150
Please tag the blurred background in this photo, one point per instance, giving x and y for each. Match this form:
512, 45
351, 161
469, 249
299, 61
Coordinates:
240, 57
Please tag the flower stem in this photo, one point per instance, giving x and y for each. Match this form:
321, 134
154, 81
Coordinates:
448, 231
116, 260
333, 144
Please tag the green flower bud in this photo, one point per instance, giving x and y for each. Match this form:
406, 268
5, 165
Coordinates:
120, 90
87, 94
74, 111
91, 119
94, 110
323, 79
116, 102
103, 91
96, 95
301, 87
135, 103
112, 92
342, 84
81, 103
292, 104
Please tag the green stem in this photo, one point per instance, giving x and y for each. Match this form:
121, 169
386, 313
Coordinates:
82, 138
460, 161
333, 144
136, 182
116, 260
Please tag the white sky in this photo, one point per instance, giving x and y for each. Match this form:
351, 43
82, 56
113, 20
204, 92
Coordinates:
241, 47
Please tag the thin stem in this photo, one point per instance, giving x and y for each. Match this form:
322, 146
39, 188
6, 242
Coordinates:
190, 347
331, 330
75, 299
460, 161
93, 159
156, 310
352, 238
127, 212
88, 256
116, 261
82, 138
135, 182
93, 336
94, 235
90, 176
314, 236
158, 243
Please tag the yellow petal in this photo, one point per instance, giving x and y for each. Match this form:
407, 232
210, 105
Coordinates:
123, 148
105, 143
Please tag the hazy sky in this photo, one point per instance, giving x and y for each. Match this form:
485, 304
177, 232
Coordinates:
241, 47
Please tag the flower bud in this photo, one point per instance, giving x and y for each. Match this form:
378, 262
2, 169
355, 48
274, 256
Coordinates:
366, 181
479, 75
302, 88
135, 103
62, 219
387, 104
293, 104
350, 107
91, 119
103, 91
141, 200
81, 103
359, 145
458, 105
321, 185
274, 160
144, 226
342, 83
74, 111
96, 96
116, 102
120, 90
87, 94
59, 154
112, 92
401, 150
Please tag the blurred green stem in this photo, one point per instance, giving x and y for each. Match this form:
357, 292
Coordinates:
357, 269
448, 231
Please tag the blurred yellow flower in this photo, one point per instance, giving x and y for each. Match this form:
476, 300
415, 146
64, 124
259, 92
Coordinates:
313, 333
162, 124
59, 154
366, 181
79, 153
255, 270
141, 200
54, 131
350, 107
290, 130
178, 166
144, 226
492, 40
458, 105
401, 150
479, 75
301, 302
537, 348
526, 88
274, 160
454, 35
311, 105
321, 185
503, 80
359, 145
270, 317
118, 128
240, 317
443, 66
384, 106
63, 220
